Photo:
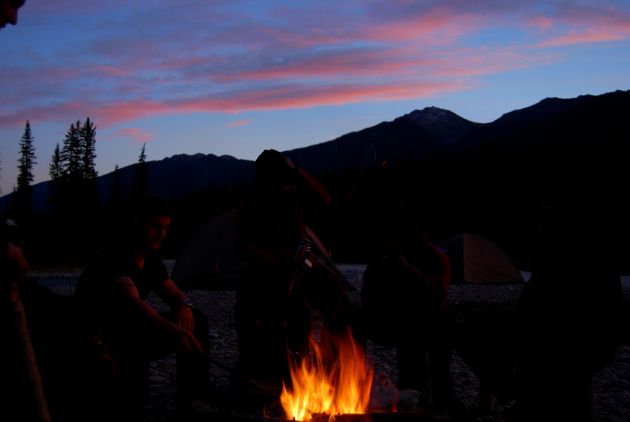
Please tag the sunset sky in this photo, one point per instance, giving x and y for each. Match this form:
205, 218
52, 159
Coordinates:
235, 77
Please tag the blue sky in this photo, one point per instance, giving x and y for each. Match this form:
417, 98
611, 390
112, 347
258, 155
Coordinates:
240, 76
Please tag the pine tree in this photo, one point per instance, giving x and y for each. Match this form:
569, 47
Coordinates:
72, 155
56, 172
116, 193
88, 188
56, 167
26, 161
88, 145
139, 180
143, 155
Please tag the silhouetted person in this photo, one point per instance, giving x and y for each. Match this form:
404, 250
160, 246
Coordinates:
403, 299
16, 354
128, 332
569, 313
282, 282
9, 11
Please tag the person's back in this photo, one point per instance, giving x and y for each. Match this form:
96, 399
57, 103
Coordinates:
404, 306
396, 297
569, 321
278, 289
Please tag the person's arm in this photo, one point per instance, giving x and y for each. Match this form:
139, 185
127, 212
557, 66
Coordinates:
126, 292
19, 265
170, 293
434, 281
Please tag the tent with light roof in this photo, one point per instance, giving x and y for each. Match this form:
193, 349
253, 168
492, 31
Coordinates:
477, 260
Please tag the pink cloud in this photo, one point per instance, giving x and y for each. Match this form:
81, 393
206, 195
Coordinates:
278, 57
112, 71
266, 98
137, 135
583, 24
239, 123
440, 25
604, 33
286, 97
541, 22
361, 63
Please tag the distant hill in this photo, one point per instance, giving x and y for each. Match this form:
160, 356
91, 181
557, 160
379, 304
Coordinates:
172, 177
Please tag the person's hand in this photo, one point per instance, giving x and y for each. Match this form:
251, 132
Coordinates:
188, 343
302, 256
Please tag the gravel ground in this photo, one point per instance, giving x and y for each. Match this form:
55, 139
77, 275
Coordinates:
612, 385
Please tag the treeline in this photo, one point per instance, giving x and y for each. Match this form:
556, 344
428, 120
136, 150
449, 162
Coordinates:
77, 221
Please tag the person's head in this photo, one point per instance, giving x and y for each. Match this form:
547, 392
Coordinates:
275, 169
151, 220
9, 11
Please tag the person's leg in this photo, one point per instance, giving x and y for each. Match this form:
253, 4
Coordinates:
440, 351
193, 368
132, 391
412, 366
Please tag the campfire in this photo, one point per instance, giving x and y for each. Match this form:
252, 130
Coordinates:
334, 379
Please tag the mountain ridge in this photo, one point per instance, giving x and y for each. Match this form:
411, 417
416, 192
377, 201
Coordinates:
418, 135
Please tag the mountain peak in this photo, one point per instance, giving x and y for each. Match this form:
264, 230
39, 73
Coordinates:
445, 124
431, 114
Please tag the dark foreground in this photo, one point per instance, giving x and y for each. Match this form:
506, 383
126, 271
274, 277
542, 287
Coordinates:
612, 385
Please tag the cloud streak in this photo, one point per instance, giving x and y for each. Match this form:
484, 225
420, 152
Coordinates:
209, 57
137, 135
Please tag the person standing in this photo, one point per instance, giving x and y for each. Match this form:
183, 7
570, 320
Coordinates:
404, 306
282, 281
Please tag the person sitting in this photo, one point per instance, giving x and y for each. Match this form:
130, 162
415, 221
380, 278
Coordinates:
126, 329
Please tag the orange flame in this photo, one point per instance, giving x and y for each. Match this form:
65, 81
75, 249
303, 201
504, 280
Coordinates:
336, 380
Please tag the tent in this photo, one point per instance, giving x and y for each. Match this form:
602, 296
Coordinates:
208, 260
477, 260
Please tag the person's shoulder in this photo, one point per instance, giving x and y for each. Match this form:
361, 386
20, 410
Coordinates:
114, 252
112, 257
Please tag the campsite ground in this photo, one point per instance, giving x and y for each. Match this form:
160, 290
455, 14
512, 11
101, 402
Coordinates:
612, 385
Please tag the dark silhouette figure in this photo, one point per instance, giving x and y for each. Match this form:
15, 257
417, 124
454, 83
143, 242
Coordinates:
23, 394
404, 306
123, 332
569, 319
9, 11
283, 280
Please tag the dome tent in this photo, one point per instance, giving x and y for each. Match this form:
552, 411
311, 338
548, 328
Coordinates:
477, 260
208, 260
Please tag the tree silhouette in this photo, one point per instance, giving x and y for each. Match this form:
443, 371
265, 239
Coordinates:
87, 135
72, 169
56, 173
88, 145
72, 156
25, 170
140, 174
115, 197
